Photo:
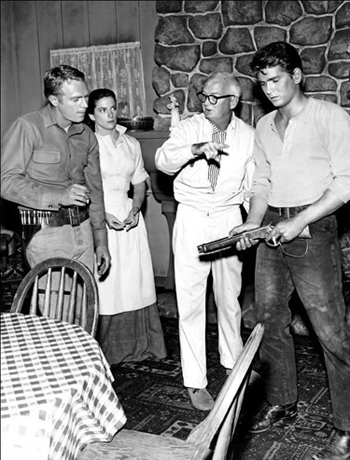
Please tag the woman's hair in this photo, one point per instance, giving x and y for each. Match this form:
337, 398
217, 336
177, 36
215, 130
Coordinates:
95, 96
274, 54
55, 77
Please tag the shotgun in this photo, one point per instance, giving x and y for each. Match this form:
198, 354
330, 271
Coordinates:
259, 233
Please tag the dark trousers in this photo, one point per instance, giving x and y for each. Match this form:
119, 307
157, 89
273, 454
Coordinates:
316, 276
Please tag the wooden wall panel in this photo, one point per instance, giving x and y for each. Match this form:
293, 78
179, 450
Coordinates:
27, 56
50, 35
102, 23
128, 20
9, 97
75, 24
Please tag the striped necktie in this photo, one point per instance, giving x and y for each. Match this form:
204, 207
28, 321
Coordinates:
214, 165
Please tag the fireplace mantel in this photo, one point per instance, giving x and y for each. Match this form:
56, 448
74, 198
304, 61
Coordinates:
162, 187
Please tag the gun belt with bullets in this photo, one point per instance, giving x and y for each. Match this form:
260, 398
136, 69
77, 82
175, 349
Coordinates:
33, 220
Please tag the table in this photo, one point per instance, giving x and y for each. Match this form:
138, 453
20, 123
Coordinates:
56, 390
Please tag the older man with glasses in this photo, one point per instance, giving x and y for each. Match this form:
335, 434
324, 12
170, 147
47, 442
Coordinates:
211, 154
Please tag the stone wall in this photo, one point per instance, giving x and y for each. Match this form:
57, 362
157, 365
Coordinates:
194, 38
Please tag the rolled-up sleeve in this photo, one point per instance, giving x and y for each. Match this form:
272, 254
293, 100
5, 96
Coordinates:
337, 141
177, 150
262, 172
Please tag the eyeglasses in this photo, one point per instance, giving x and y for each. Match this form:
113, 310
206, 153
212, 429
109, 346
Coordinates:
212, 99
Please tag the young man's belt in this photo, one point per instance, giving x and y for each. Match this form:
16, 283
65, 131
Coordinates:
70, 215
286, 213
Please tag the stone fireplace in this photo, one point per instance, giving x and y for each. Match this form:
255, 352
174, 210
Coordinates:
194, 38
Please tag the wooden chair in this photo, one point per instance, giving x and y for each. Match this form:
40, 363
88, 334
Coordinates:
210, 439
60, 288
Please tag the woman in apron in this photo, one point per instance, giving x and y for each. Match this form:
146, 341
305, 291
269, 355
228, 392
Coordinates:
129, 325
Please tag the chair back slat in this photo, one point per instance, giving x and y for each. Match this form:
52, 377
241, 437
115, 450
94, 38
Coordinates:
63, 289
47, 296
60, 295
204, 433
83, 308
34, 298
73, 299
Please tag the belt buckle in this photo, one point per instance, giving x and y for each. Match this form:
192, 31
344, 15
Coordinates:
74, 218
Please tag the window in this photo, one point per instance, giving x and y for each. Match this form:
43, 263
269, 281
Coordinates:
117, 67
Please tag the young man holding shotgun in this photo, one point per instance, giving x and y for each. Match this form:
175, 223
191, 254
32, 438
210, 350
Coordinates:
302, 177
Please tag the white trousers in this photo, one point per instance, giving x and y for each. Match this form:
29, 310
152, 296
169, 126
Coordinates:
191, 275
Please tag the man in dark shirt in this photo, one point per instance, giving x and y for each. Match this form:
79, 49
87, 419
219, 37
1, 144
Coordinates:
50, 167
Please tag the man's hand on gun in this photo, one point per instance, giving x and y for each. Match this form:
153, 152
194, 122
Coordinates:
283, 232
245, 238
247, 235
289, 229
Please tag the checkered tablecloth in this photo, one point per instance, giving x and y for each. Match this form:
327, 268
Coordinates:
56, 390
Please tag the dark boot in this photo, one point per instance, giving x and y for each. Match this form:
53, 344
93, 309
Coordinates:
339, 449
269, 415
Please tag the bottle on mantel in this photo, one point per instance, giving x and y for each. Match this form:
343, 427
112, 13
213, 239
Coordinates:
174, 111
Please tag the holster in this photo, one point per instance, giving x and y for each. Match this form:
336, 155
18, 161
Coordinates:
28, 231
31, 221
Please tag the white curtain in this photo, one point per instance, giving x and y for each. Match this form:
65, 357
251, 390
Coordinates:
117, 67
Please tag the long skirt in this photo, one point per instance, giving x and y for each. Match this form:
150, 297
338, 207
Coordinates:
132, 336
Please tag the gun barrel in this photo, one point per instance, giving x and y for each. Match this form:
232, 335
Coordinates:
217, 245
